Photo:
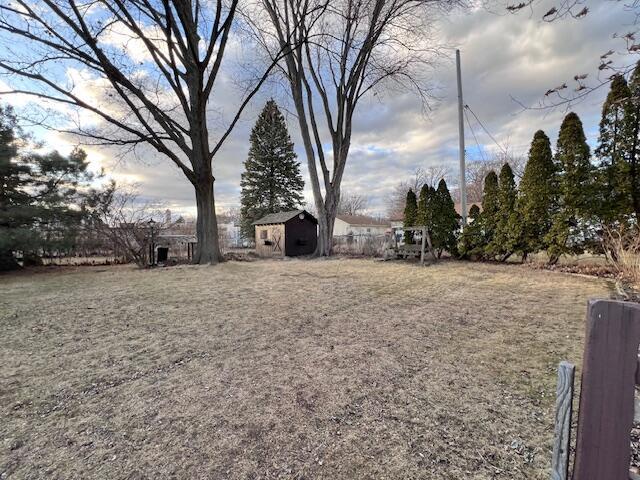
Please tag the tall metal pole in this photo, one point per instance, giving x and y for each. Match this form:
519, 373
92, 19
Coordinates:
463, 182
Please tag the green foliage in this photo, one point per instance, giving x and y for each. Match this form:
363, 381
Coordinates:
504, 240
444, 221
425, 206
632, 136
40, 196
490, 206
472, 239
410, 215
571, 229
537, 199
272, 181
614, 188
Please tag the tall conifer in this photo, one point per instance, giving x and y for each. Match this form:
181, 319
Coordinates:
502, 244
570, 226
632, 135
410, 215
271, 181
537, 196
444, 220
489, 215
613, 186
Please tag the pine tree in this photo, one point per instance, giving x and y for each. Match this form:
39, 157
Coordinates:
271, 181
537, 197
471, 240
410, 216
502, 244
632, 135
38, 197
490, 205
444, 221
614, 192
571, 221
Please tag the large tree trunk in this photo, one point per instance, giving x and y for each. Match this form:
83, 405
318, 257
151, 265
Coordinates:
326, 220
208, 247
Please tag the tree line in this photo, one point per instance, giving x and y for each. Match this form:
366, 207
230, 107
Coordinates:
45, 198
565, 201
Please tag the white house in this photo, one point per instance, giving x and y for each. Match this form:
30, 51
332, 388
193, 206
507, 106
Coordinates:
359, 225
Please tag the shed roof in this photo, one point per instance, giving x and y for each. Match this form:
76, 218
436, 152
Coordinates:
282, 217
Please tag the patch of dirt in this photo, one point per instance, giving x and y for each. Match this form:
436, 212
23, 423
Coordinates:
286, 370
593, 270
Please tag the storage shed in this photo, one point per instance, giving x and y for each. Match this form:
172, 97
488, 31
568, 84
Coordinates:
286, 234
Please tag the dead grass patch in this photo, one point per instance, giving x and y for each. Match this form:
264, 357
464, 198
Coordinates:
286, 369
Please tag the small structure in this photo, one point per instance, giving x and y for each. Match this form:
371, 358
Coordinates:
286, 234
395, 249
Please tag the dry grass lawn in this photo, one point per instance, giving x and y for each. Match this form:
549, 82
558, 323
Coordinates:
335, 369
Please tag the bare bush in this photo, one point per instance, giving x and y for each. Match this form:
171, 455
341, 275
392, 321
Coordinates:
122, 219
622, 249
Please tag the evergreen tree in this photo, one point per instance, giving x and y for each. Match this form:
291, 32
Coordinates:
472, 241
271, 181
425, 206
614, 188
410, 216
490, 205
570, 230
444, 221
39, 197
537, 197
632, 135
503, 242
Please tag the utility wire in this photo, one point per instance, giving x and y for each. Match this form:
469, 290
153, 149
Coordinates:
487, 131
466, 117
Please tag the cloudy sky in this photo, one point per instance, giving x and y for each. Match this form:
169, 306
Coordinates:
504, 57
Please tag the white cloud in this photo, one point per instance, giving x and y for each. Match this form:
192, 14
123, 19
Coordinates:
504, 56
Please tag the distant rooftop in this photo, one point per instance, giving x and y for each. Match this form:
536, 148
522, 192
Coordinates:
363, 220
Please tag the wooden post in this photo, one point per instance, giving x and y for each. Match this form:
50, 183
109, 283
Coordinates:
564, 410
607, 392
424, 240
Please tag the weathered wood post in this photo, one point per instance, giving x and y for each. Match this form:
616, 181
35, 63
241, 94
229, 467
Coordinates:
607, 392
424, 240
564, 410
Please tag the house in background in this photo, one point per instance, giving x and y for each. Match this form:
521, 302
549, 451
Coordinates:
286, 234
357, 225
229, 232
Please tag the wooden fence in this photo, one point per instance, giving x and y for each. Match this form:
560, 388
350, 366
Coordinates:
610, 373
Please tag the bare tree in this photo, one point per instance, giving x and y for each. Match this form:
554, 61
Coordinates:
148, 69
352, 204
583, 84
477, 170
121, 218
422, 176
338, 52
